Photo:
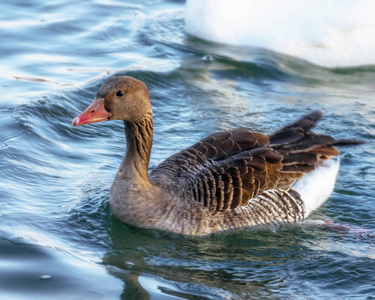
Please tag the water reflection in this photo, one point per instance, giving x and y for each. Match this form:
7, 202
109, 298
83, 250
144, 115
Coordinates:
239, 265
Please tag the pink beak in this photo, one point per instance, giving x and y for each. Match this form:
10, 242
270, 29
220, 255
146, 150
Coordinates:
93, 114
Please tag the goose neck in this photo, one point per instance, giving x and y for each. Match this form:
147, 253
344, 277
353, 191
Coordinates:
138, 149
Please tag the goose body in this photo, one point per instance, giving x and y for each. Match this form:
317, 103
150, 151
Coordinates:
329, 33
230, 179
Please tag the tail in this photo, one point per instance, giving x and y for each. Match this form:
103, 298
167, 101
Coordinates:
302, 149
296, 131
306, 164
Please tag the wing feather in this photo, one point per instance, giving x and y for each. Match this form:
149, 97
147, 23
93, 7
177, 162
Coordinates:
232, 168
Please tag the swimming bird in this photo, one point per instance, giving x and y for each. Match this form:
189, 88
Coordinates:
329, 33
230, 179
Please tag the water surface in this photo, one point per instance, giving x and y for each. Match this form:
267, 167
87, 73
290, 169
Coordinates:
58, 238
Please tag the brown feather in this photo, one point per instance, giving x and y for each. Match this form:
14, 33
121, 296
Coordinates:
230, 168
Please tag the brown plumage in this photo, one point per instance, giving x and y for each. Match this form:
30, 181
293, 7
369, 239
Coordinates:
227, 180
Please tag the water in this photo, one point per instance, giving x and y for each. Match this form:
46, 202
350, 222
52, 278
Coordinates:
58, 239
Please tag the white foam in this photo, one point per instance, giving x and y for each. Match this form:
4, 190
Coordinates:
316, 186
331, 33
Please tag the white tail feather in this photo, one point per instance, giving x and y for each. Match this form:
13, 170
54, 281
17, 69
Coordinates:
316, 186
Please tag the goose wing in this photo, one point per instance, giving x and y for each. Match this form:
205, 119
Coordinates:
239, 168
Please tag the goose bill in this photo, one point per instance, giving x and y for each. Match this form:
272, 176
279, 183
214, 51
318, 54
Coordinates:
93, 114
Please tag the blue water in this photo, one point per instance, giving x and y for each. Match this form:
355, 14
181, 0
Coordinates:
58, 239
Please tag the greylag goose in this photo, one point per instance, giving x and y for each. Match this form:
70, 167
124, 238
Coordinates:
230, 179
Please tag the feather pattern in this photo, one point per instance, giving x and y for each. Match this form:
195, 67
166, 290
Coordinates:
241, 168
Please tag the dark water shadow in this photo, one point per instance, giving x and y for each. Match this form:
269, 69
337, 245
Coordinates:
246, 264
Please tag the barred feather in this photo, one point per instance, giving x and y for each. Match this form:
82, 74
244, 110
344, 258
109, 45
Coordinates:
237, 168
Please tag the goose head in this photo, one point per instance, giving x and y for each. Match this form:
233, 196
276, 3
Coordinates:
119, 98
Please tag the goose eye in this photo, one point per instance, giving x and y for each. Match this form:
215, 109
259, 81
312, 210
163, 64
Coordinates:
120, 93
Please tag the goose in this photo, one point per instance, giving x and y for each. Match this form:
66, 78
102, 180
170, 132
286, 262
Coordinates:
229, 179
328, 33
